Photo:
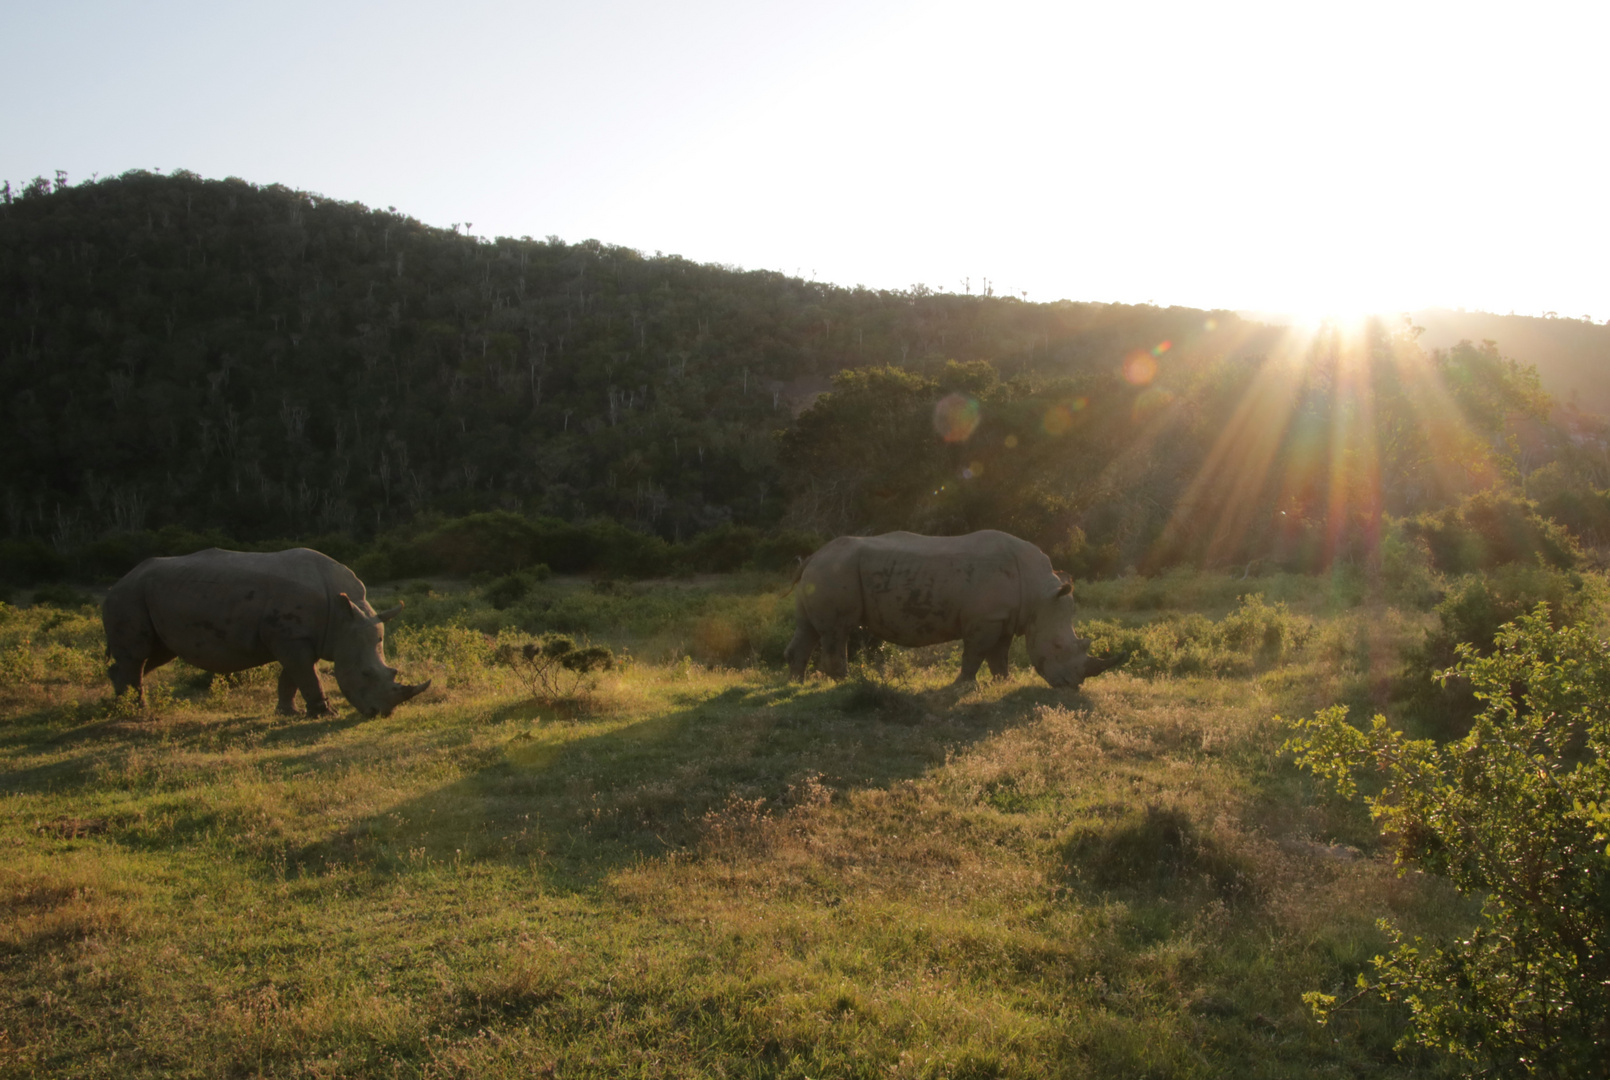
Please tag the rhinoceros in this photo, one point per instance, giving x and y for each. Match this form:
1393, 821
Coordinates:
982, 589
226, 611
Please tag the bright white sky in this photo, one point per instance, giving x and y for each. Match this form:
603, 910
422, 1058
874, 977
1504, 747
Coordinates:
1306, 157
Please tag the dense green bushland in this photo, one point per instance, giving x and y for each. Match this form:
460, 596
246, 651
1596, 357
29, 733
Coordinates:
690, 867
273, 363
258, 363
496, 542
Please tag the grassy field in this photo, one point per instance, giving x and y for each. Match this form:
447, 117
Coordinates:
696, 868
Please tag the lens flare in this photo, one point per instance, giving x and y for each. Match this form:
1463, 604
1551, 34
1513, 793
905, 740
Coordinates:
973, 471
1059, 418
1162, 347
1140, 368
956, 417
1011, 442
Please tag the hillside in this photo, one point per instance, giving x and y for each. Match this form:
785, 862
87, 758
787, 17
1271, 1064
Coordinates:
212, 352
1572, 356
264, 363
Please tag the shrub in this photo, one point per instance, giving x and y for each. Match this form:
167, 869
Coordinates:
783, 549
25, 562
62, 596
1255, 634
512, 588
1471, 613
554, 666
723, 549
1515, 813
1490, 529
461, 653
1406, 572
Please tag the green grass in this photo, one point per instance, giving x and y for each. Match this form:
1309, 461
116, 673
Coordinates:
690, 870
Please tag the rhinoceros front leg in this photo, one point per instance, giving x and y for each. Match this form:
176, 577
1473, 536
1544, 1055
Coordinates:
996, 657
981, 644
299, 673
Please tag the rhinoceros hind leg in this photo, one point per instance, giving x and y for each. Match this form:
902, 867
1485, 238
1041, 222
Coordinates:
835, 654
798, 653
126, 672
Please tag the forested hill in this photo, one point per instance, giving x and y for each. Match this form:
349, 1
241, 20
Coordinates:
1572, 356
265, 363
271, 362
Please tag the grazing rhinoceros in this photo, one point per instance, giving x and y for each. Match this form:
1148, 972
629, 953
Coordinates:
983, 589
226, 611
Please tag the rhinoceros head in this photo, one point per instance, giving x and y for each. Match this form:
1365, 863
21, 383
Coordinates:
1061, 656
357, 641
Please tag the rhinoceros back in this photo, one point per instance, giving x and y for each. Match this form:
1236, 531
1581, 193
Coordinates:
921, 590
221, 610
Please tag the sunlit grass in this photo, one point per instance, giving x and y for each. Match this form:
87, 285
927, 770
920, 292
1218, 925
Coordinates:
689, 870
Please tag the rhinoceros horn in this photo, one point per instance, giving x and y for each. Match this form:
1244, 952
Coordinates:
406, 692
402, 692
1095, 665
390, 613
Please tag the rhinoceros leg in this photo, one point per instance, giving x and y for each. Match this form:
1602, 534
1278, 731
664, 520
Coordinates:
798, 653
297, 672
287, 692
130, 670
980, 644
996, 657
835, 653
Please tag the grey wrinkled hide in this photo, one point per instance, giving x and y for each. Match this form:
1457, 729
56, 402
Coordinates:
226, 611
982, 589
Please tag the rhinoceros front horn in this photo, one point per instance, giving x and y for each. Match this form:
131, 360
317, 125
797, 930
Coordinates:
407, 693
390, 613
1095, 665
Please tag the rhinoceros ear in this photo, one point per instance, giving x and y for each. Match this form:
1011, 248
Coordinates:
351, 607
1067, 587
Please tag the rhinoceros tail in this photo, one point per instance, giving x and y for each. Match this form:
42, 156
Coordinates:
799, 571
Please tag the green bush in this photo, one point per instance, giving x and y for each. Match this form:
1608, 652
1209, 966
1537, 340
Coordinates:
1256, 634
554, 666
62, 596
1517, 814
1406, 572
1471, 613
28, 562
510, 589
1491, 529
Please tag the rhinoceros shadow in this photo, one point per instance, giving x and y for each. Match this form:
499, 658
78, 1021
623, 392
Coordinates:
107, 743
573, 812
